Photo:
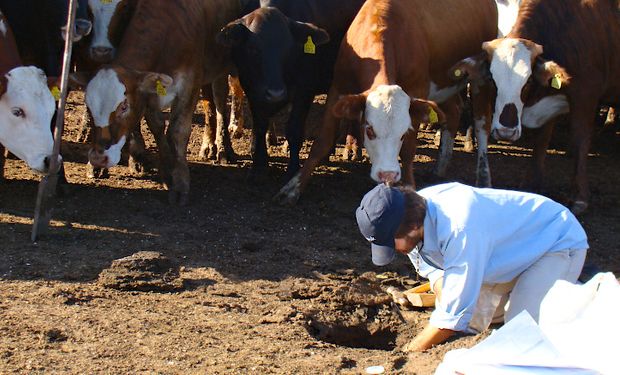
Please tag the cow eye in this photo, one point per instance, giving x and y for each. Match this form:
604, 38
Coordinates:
18, 112
370, 132
123, 107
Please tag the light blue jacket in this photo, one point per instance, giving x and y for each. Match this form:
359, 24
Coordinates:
486, 236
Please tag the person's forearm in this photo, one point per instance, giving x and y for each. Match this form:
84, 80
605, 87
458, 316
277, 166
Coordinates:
428, 337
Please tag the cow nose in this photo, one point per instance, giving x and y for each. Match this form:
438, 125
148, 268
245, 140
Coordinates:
101, 53
97, 158
388, 176
508, 118
275, 95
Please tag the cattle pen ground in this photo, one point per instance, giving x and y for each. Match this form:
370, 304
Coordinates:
265, 288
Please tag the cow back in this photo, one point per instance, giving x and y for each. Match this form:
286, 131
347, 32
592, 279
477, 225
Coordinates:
583, 36
166, 36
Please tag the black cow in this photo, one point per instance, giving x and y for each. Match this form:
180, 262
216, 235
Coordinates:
285, 53
39, 29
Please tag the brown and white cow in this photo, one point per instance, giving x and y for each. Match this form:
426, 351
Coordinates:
26, 107
395, 52
110, 19
168, 52
560, 57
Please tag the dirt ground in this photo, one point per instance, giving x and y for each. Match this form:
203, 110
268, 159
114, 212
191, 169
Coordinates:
263, 288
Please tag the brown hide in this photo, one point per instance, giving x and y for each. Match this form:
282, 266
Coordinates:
583, 38
395, 41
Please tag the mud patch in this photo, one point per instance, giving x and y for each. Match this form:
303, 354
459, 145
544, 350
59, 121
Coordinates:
358, 315
142, 271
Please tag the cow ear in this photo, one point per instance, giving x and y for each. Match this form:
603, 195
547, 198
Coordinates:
350, 107
425, 111
549, 73
475, 68
155, 83
233, 34
301, 31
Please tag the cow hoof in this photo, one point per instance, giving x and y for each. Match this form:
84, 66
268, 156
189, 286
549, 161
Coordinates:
96, 173
289, 194
579, 207
226, 157
235, 131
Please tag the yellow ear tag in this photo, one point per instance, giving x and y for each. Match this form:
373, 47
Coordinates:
106, 1
160, 89
309, 47
556, 82
55, 92
457, 73
432, 116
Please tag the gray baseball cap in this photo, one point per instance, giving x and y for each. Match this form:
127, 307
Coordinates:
378, 217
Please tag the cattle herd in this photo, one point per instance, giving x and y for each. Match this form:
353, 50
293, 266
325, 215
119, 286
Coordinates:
387, 66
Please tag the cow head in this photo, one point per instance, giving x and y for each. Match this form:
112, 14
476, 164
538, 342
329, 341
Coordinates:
108, 17
26, 110
263, 42
116, 98
387, 114
522, 78
82, 26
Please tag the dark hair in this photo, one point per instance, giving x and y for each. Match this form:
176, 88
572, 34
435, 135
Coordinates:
415, 211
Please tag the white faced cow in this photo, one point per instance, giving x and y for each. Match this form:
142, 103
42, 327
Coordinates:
560, 57
108, 16
26, 106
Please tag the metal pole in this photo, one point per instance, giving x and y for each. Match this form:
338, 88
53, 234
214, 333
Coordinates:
47, 186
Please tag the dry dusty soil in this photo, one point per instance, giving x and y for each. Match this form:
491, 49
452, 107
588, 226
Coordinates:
244, 285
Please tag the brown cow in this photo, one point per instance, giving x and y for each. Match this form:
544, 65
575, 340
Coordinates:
560, 57
167, 54
26, 107
396, 50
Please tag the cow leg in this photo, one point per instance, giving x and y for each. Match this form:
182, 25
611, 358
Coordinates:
295, 130
448, 133
259, 142
483, 171
321, 148
178, 133
208, 150
157, 125
84, 132
237, 123
225, 153
482, 113
581, 126
407, 154
535, 178
136, 149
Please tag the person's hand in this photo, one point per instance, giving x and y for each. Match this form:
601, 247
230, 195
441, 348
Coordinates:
429, 337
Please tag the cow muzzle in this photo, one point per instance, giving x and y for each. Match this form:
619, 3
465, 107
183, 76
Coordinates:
506, 134
388, 176
274, 96
98, 158
102, 54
